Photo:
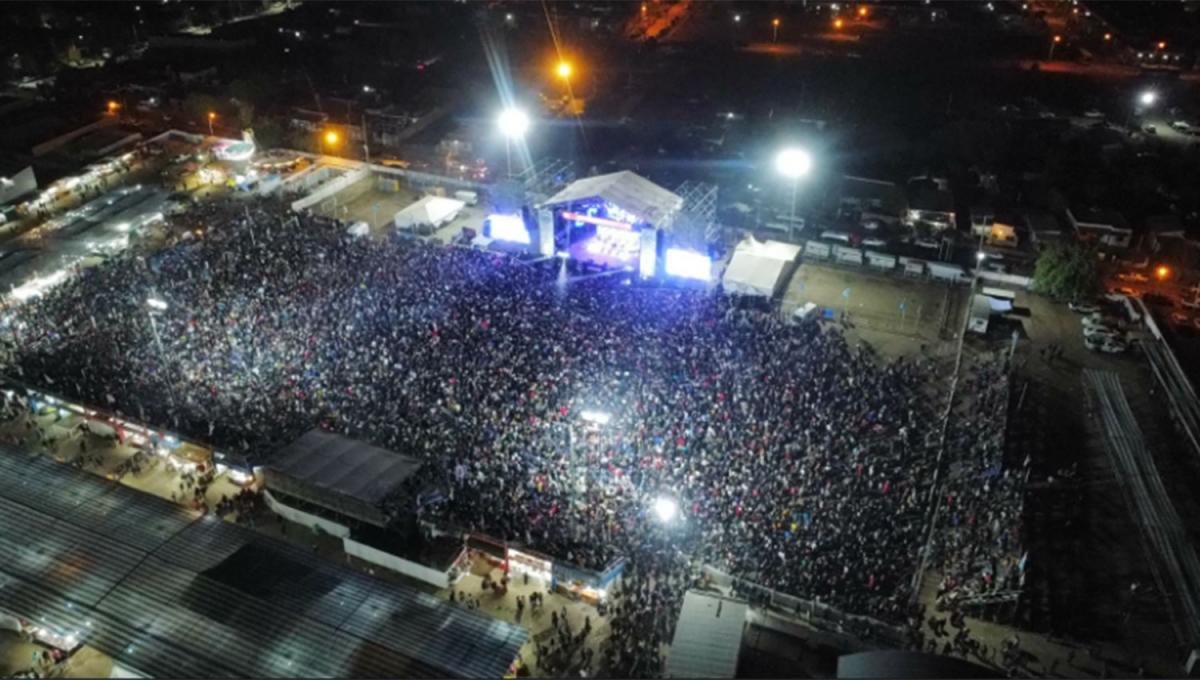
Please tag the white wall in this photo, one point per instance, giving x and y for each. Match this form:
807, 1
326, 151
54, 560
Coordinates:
307, 519
330, 188
441, 579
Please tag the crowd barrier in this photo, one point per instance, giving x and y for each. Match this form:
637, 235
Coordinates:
823, 616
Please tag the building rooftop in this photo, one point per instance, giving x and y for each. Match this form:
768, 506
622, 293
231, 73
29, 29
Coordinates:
342, 474
170, 593
708, 637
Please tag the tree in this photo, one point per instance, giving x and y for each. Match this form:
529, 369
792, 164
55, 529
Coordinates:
1066, 272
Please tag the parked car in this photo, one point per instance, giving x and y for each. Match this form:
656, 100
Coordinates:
1190, 304
1126, 291
1180, 319
1103, 334
1180, 125
1113, 347
1133, 276
1083, 307
1150, 129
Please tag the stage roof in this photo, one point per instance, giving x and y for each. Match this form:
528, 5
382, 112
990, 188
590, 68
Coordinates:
345, 475
707, 637
629, 191
169, 593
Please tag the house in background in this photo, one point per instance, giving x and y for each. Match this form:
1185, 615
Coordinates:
1105, 227
930, 204
871, 199
1044, 229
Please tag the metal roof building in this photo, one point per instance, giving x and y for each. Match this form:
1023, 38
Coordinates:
708, 637
345, 475
169, 593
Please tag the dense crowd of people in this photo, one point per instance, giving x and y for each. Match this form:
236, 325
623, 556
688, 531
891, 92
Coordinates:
549, 412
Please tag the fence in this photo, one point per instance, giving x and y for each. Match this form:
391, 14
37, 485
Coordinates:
813, 613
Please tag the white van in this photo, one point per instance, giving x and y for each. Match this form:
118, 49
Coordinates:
468, 197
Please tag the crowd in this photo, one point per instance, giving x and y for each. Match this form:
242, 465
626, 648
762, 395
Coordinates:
550, 413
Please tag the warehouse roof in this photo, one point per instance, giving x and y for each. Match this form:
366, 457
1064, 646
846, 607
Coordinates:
170, 593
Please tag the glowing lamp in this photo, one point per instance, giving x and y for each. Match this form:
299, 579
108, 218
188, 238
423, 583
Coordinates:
513, 123
665, 509
1162, 272
1148, 98
331, 137
563, 70
793, 163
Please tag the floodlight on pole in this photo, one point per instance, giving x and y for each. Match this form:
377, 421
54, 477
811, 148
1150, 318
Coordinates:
156, 303
793, 163
1148, 98
665, 509
513, 123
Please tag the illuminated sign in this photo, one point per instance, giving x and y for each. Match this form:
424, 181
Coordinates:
688, 264
510, 228
598, 221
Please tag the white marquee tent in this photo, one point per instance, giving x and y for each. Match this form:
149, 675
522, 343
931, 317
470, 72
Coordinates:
432, 210
757, 267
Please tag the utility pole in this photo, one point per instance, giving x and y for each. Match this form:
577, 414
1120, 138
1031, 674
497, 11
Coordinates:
366, 140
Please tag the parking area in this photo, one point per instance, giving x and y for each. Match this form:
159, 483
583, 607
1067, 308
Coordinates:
896, 315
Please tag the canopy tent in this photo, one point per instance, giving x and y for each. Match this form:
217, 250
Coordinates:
630, 192
432, 210
350, 477
708, 637
758, 267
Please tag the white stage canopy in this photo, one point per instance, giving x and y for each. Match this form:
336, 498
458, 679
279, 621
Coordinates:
432, 210
627, 190
757, 267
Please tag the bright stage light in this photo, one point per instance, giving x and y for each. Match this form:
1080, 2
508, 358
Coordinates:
665, 509
793, 163
510, 228
688, 264
597, 417
513, 123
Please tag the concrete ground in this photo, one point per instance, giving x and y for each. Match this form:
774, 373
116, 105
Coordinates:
375, 207
105, 458
874, 304
18, 655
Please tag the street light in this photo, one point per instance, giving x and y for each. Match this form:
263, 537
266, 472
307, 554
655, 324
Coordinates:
838, 23
1148, 98
158, 305
211, 116
1163, 272
1053, 43
775, 30
737, 18
513, 124
793, 163
665, 509
329, 139
563, 70
1107, 37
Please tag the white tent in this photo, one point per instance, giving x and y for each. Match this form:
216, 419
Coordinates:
431, 210
758, 266
359, 229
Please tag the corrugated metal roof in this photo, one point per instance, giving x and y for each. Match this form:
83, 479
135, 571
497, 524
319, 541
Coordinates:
340, 473
708, 637
183, 596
